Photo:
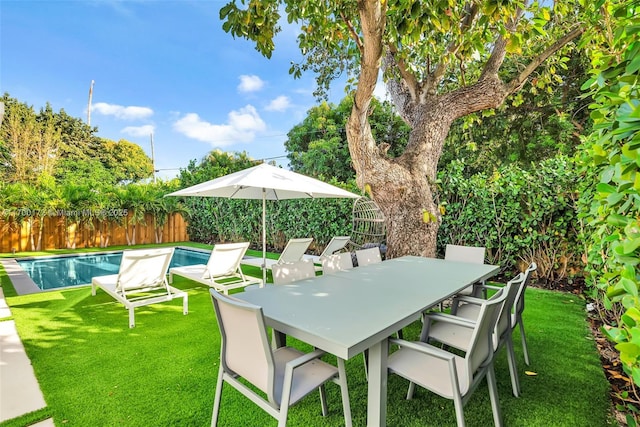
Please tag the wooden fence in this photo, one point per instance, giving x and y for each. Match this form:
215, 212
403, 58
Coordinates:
60, 232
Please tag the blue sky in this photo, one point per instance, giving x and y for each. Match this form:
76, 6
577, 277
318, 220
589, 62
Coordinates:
160, 67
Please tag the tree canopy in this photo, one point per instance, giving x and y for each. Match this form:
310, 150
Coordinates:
64, 147
440, 60
318, 145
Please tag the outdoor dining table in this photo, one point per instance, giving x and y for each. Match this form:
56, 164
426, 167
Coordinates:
358, 309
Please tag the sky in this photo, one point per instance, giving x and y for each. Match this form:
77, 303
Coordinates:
162, 71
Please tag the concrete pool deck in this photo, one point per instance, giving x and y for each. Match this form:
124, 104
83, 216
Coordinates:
19, 389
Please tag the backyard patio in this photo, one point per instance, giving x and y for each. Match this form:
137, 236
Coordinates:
94, 370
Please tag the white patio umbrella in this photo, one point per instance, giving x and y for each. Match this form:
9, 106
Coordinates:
265, 182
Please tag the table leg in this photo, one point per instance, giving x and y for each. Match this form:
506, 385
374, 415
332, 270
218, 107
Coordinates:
279, 339
377, 397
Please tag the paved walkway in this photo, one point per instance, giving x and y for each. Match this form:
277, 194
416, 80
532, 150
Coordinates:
19, 389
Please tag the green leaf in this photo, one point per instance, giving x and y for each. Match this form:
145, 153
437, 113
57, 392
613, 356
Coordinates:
632, 288
614, 198
617, 220
606, 188
631, 245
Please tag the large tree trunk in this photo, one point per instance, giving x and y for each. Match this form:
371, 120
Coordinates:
404, 188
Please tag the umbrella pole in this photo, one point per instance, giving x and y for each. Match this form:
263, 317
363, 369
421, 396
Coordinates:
264, 237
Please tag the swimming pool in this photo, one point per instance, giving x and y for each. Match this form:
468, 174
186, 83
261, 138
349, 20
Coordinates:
74, 270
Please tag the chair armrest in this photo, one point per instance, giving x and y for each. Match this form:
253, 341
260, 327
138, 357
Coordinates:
449, 318
424, 348
288, 373
471, 300
305, 358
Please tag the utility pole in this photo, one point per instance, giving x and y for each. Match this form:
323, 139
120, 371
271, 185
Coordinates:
89, 106
153, 160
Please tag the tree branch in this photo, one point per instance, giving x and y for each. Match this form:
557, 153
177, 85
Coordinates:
434, 78
489, 91
353, 32
520, 80
409, 78
403, 91
372, 18
499, 50
362, 146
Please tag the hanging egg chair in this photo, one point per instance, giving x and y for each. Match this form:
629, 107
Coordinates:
368, 225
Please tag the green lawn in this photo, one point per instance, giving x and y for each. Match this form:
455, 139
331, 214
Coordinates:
95, 371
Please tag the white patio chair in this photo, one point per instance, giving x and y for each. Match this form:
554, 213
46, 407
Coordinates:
336, 244
337, 262
368, 256
470, 311
141, 280
293, 252
222, 270
450, 375
516, 315
458, 337
470, 254
292, 272
284, 375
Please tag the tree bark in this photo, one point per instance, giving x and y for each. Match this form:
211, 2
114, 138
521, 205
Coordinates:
404, 188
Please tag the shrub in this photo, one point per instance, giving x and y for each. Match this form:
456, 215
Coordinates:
518, 215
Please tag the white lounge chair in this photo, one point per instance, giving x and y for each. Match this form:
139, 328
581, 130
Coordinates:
293, 252
141, 280
222, 270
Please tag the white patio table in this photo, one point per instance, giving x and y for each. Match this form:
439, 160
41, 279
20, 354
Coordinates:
355, 310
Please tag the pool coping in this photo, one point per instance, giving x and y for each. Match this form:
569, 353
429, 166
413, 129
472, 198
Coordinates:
24, 285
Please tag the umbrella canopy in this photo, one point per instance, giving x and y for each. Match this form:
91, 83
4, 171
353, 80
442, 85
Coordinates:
265, 182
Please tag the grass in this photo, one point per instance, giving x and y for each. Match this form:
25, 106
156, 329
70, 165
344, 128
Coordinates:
94, 370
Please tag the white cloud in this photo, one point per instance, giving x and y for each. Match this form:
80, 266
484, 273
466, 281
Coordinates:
138, 131
121, 112
280, 104
242, 126
250, 83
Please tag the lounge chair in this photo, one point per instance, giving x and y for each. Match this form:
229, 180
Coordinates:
222, 271
141, 280
293, 252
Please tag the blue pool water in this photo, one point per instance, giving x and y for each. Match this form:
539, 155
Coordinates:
74, 270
